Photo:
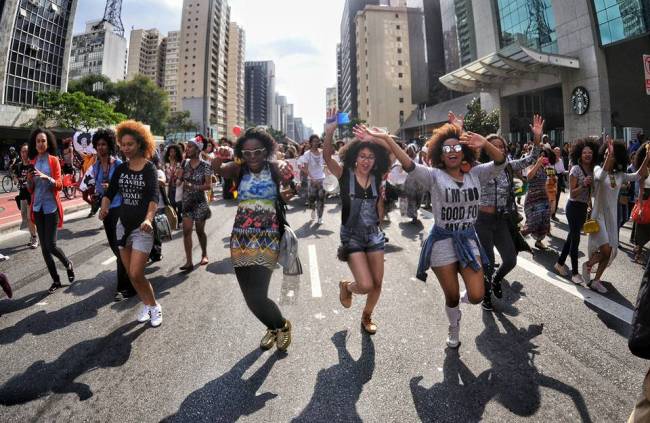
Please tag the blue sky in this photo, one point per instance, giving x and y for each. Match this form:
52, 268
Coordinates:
300, 36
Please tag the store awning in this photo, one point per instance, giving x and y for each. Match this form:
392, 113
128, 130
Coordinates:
437, 114
509, 64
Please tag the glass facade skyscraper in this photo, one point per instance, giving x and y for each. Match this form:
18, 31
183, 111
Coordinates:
621, 19
530, 23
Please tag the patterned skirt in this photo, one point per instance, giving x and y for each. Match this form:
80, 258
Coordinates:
538, 213
255, 238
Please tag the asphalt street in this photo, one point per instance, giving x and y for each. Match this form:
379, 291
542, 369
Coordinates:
549, 351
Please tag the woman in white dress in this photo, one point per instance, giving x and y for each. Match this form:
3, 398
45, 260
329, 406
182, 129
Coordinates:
603, 245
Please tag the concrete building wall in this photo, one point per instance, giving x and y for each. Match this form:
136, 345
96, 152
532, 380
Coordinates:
331, 98
170, 68
236, 100
115, 57
383, 67
145, 55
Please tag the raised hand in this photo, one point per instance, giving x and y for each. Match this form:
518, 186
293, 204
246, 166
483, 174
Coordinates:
331, 123
537, 128
610, 145
473, 140
458, 121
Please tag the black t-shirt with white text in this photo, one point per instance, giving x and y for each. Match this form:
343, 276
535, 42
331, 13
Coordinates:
138, 189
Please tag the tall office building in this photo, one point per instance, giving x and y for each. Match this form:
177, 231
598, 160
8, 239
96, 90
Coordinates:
348, 55
260, 93
171, 44
35, 39
203, 67
391, 64
331, 98
299, 129
235, 113
339, 77
99, 50
280, 113
146, 55
290, 129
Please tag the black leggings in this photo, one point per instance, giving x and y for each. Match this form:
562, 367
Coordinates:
493, 231
110, 223
254, 284
46, 226
576, 214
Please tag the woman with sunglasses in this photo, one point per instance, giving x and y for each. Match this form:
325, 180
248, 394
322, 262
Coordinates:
496, 204
363, 165
603, 245
453, 247
258, 228
196, 178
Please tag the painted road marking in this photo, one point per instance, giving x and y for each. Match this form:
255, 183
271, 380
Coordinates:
313, 273
109, 261
20, 232
585, 294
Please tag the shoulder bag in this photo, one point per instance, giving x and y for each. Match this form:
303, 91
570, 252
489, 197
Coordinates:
641, 210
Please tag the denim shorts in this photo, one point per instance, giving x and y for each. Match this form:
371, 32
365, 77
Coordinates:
362, 239
137, 240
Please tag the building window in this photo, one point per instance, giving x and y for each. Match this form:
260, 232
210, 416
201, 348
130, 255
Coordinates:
399, 63
400, 75
399, 39
401, 100
529, 23
399, 51
398, 27
620, 19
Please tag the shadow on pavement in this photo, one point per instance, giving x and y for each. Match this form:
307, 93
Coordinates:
58, 377
221, 267
228, 397
513, 379
338, 388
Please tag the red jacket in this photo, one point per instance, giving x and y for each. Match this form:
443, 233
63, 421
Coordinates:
55, 170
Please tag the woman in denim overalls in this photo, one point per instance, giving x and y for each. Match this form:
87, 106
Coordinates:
362, 241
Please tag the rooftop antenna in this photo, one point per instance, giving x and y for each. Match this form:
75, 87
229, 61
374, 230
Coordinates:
113, 15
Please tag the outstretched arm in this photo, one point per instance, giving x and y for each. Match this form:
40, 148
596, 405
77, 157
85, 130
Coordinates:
387, 142
328, 147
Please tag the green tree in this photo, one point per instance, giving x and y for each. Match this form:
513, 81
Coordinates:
94, 85
74, 111
479, 121
180, 122
278, 136
141, 99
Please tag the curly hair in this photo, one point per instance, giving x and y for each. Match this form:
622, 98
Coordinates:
177, 149
349, 152
549, 154
260, 135
640, 155
485, 157
141, 134
579, 145
435, 143
51, 142
621, 158
107, 135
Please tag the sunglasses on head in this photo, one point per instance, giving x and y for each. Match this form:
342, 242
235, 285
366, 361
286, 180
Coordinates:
449, 148
249, 154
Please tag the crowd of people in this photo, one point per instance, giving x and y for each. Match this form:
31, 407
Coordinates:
471, 183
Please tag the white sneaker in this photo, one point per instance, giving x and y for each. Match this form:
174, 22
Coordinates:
313, 214
596, 285
562, 270
453, 339
577, 279
3, 257
156, 315
586, 273
320, 220
143, 314
33, 243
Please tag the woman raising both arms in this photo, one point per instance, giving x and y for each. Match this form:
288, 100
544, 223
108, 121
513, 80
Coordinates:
452, 246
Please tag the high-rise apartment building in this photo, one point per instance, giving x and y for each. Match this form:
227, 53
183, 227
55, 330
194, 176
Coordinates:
290, 129
280, 114
299, 129
99, 50
146, 55
35, 40
261, 104
390, 64
171, 45
348, 91
339, 77
203, 70
235, 112
331, 98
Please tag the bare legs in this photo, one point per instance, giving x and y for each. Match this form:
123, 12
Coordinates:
187, 241
134, 262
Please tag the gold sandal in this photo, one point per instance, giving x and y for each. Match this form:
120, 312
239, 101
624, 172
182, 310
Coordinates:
368, 325
345, 296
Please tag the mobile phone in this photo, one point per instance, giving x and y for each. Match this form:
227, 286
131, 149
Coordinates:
342, 118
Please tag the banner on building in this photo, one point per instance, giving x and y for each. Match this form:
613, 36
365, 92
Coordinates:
646, 66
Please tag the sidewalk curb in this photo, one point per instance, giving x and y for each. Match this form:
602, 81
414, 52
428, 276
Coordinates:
13, 226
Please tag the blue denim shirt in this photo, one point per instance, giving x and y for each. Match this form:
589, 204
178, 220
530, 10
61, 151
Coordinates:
43, 195
462, 247
98, 173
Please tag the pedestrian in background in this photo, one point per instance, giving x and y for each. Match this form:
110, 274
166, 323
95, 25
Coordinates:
196, 178
560, 173
537, 206
173, 158
103, 169
137, 183
258, 228
641, 232
44, 183
313, 164
584, 153
23, 169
